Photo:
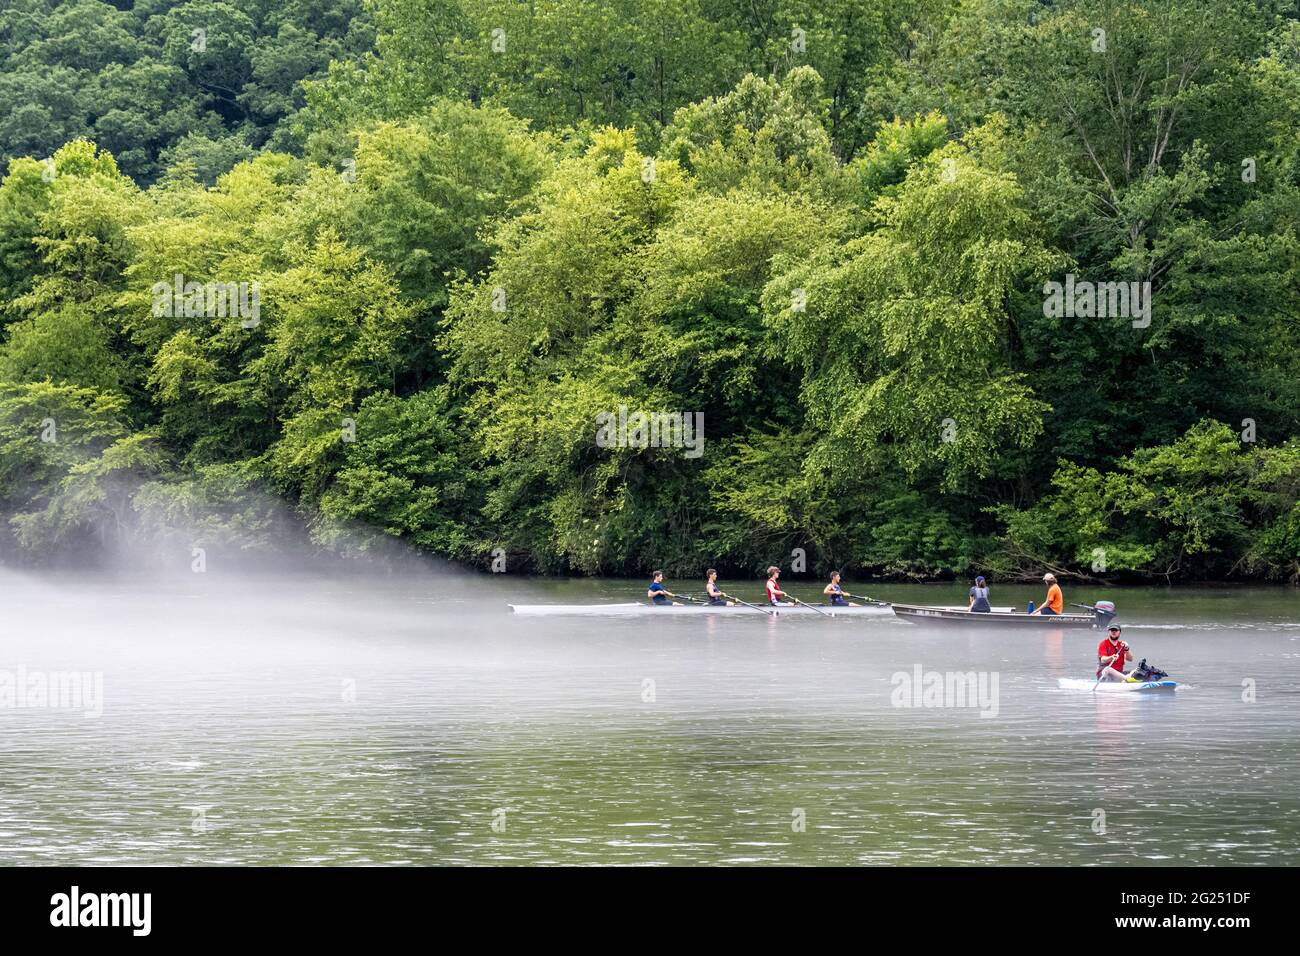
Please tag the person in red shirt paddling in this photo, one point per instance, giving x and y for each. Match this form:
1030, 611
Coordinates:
774, 593
1112, 654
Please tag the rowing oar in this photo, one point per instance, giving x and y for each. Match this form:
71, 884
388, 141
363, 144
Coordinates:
858, 597
766, 611
806, 604
846, 595
684, 597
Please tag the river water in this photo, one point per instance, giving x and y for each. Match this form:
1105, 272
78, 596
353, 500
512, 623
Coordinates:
410, 718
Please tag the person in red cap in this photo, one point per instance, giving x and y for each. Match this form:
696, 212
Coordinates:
1112, 653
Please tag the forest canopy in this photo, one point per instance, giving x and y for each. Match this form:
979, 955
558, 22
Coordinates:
923, 288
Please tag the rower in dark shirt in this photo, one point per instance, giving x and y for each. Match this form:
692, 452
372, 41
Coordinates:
712, 591
657, 593
833, 591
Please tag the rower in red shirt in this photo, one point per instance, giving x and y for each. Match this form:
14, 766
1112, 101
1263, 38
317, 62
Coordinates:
1112, 653
774, 593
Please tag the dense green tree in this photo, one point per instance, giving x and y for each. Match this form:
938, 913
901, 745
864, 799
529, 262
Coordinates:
1195, 507
327, 272
140, 78
903, 334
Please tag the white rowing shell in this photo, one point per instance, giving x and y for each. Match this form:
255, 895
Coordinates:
634, 609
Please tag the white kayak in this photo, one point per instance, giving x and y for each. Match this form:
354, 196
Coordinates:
634, 609
1117, 686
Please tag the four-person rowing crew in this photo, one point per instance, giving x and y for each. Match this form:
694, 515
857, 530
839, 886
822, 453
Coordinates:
836, 596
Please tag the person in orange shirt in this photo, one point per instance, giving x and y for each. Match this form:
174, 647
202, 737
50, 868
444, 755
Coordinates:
1054, 603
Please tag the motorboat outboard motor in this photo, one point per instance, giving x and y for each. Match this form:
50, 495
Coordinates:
1103, 613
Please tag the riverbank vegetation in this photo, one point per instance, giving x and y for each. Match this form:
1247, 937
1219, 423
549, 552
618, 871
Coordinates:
455, 234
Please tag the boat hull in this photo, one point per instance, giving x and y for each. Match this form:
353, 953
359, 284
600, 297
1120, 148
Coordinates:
1118, 687
918, 614
686, 610
635, 609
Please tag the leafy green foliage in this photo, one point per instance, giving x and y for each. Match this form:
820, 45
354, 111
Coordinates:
824, 230
904, 335
1190, 508
141, 83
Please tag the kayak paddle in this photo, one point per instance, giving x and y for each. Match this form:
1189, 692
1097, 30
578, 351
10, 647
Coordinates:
1122, 647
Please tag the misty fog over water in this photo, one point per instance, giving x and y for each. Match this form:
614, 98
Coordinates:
403, 717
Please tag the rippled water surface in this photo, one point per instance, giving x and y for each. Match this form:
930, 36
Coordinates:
351, 719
